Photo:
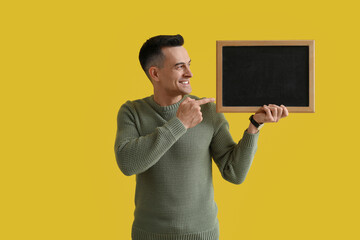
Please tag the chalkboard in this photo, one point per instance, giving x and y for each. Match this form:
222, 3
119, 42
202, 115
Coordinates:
253, 73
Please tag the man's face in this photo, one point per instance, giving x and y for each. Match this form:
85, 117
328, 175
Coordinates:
175, 74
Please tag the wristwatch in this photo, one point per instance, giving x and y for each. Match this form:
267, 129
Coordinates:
255, 123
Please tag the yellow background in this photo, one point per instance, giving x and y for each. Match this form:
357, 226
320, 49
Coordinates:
67, 66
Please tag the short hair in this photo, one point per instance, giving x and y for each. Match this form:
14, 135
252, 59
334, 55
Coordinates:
150, 53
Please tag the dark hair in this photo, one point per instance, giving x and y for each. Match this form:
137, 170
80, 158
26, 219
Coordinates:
151, 54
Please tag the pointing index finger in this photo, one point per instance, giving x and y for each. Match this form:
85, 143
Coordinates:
205, 100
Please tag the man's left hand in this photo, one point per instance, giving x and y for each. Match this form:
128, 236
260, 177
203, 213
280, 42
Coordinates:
270, 113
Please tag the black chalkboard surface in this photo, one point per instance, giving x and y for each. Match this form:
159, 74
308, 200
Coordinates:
253, 73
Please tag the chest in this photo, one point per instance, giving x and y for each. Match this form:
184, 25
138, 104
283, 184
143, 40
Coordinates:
194, 143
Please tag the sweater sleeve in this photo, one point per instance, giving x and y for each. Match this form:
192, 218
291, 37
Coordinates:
134, 153
233, 160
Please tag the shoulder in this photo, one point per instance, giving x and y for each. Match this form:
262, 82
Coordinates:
137, 103
133, 106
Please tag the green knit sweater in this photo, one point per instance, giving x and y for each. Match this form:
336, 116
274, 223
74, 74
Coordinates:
174, 197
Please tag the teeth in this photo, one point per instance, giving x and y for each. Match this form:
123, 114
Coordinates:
185, 82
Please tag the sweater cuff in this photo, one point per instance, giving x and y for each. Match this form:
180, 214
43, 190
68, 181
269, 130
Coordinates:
176, 127
250, 139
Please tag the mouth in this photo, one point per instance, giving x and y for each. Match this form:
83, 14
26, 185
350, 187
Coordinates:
186, 82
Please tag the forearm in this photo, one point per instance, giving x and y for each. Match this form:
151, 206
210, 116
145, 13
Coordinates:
252, 129
234, 160
241, 158
137, 154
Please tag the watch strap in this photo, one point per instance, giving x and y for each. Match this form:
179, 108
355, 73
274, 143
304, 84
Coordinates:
255, 123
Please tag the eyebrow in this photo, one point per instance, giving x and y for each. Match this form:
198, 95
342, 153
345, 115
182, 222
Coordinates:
180, 63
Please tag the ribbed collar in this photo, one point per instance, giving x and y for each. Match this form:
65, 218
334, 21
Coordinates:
164, 109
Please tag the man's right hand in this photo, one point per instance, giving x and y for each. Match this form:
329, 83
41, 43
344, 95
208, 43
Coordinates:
189, 111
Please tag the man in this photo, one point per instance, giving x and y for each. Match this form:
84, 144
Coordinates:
168, 141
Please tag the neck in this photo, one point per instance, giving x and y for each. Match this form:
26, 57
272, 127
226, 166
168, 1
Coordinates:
166, 100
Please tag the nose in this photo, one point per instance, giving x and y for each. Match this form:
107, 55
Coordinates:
188, 72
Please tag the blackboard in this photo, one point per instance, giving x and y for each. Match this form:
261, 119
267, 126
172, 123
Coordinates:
253, 73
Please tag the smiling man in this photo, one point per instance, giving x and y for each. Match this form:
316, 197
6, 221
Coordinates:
168, 140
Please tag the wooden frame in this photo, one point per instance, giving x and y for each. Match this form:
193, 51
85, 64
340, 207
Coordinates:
219, 75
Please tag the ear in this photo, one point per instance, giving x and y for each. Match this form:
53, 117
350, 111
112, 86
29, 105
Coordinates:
154, 73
